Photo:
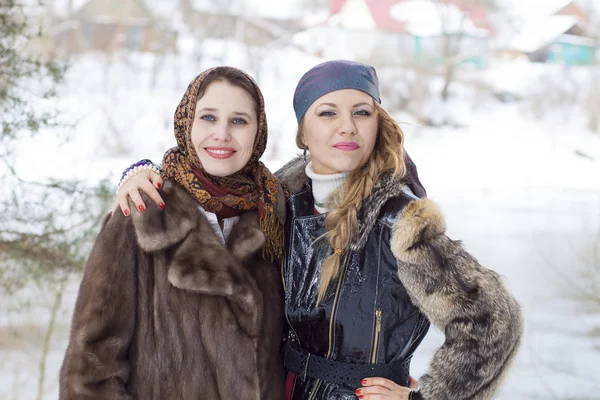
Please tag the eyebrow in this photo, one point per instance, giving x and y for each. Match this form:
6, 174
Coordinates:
243, 114
356, 105
235, 112
328, 104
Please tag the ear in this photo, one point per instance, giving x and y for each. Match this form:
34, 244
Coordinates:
303, 141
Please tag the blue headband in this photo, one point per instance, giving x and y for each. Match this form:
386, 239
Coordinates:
331, 76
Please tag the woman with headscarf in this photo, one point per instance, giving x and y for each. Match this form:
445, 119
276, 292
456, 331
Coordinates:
368, 265
184, 302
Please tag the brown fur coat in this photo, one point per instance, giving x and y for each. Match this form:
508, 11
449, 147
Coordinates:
165, 311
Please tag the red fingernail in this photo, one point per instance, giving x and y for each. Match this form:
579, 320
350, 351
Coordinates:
364, 381
361, 396
158, 185
357, 391
126, 212
161, 205
141, 208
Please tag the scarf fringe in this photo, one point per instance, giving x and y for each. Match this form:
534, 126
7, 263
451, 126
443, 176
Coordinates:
272, 227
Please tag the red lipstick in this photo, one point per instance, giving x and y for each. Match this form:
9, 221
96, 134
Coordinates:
220, 153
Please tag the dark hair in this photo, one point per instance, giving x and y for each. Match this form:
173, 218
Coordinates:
234, 77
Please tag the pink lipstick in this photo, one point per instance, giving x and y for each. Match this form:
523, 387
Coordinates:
346, 146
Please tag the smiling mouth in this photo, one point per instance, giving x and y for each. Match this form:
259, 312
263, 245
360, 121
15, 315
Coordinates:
219, 153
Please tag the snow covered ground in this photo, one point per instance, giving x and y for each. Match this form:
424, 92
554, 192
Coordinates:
513, 189
529, 208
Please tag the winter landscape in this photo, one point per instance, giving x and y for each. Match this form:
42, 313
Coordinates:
501, 118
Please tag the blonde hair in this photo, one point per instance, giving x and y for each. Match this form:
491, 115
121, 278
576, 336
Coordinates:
342, 222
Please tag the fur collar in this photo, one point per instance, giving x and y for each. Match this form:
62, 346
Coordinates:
158, 229
387, 187
196, 258
293, 175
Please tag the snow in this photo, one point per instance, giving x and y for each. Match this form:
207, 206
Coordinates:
516, 190
427, 18
512, 155
61, 7
539, 32
535, 8
355, 14
260, 8
577, 40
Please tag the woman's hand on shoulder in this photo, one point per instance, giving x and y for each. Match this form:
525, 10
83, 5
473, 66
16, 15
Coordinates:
146, 181
381, 388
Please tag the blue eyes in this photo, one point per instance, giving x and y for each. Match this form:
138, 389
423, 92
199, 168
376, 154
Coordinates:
235, 121
362, 113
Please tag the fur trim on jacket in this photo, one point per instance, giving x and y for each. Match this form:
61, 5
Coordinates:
481, 320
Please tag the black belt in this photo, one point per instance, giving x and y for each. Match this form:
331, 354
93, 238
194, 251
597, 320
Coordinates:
348, 374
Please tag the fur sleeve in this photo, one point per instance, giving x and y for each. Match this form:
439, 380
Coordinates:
469, 303
96, 362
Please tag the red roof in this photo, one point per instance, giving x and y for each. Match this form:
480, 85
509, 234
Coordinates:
380, 11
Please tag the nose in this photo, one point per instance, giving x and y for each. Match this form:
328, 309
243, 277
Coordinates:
347, 126
221, 132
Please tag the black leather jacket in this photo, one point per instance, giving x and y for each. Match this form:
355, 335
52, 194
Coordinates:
366, 316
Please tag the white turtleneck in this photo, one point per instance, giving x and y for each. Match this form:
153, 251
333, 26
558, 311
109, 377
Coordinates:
324, 185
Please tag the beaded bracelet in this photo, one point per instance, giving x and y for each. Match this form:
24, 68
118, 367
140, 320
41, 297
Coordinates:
133, 169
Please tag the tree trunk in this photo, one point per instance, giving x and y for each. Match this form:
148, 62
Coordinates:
49, 331
448, 78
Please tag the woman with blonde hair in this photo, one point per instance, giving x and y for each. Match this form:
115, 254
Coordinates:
368, 266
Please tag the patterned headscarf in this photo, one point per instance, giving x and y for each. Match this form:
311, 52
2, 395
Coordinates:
252, 188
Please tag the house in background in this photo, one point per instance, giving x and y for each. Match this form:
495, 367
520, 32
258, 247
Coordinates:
556, 37
208, 19
559, 7
113, 25
393, 32
446, 30
357, 29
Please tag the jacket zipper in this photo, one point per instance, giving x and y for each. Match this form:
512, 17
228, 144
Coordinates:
376, 334
331, 323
